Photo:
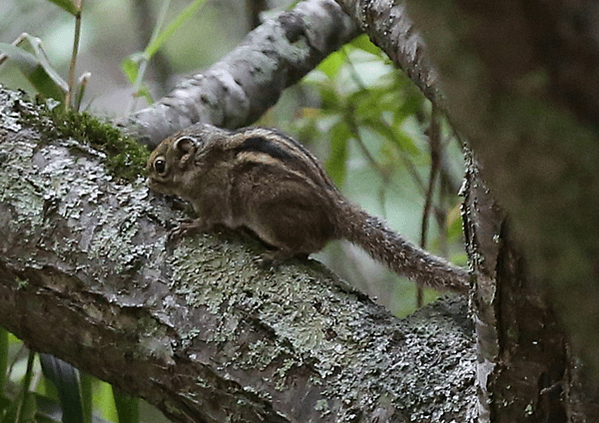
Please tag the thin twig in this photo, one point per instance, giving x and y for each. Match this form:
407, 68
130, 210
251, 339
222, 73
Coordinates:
434, 137
67, 101
16, 42
25, 387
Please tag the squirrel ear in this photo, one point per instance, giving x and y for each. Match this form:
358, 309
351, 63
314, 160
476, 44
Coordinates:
186, 146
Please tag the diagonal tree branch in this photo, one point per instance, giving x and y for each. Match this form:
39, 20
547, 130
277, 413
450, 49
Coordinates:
239, 88
195, 327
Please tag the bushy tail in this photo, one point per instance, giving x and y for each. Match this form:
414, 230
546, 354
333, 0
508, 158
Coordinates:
400, 255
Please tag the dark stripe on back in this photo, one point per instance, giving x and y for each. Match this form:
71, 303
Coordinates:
292, 152
295, 143
262, 145
317, 166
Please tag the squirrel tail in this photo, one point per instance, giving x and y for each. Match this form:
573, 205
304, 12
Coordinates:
404, 258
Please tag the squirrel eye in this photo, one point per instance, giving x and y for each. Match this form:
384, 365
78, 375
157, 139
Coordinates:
160, 165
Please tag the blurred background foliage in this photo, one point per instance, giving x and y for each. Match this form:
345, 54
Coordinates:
367, 122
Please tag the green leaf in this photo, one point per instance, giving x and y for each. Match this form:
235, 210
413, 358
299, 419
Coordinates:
48, 409
331, 102
336, 165
393, 134
412, 103
26, 61
81, 86
127, 407
23, 404
363, 43
144, 92
28, 408
172, 27
40, 54
331, 64
86, 396
10, 415
4, 404
67, 5
39, 73
130, 66
66, 379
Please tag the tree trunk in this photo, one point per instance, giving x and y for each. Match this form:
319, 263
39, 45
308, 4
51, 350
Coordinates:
520, 81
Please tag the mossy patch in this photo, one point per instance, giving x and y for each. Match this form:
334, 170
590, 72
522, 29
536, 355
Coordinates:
125, 157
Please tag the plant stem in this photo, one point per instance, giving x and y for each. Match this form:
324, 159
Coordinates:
25, 387
434, 137
67, 101
3, 358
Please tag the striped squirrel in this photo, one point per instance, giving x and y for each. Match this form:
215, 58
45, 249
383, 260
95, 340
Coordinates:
264, 181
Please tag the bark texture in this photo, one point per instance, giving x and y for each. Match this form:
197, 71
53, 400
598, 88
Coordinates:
239, 88
195, 327
523, 362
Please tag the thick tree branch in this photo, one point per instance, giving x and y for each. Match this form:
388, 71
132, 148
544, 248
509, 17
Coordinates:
195, 327
239, 88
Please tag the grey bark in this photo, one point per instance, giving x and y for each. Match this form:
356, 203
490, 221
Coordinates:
239, 88
523, 366
195, 327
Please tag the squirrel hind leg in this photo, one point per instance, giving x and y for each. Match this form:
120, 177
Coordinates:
294, 231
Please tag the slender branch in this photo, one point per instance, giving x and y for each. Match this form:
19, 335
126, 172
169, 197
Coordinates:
434, 135
67, 101
146, 27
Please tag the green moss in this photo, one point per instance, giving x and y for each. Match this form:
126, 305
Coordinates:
125, 157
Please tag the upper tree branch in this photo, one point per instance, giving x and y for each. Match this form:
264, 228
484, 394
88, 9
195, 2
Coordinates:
239, 88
